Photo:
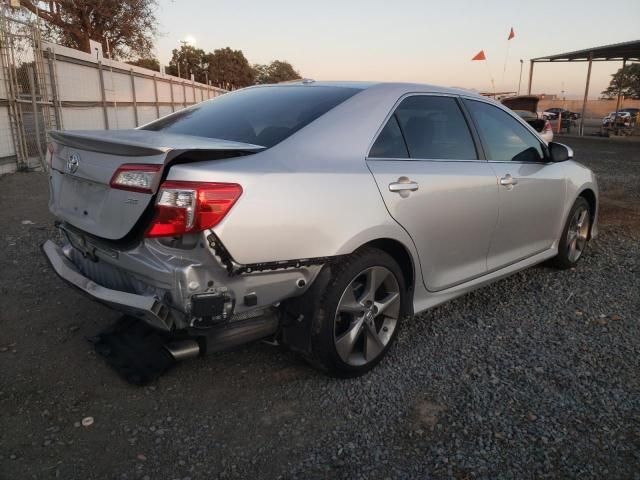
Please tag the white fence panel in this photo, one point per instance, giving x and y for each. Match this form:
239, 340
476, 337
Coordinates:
121, 117
146, 114
144, 89
6, 140
178, 93
164, 91
117, 86
165, 110
78, 83
79, 118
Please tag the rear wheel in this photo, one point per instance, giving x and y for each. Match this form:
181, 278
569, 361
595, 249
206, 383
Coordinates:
574, 236
360, 314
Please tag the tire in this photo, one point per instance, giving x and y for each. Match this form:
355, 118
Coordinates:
355, 325
575, 235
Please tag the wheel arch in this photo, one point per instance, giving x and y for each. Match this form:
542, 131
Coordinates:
590, 196
298, 312
401, 254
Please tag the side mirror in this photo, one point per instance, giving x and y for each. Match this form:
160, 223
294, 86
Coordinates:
559, 152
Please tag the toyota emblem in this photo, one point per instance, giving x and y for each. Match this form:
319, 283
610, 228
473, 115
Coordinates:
73, 162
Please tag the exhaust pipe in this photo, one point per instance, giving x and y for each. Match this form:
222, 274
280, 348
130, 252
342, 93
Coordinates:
229, 336
183, 349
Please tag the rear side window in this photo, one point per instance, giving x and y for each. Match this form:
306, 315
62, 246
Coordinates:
426, 127
260, 116
434, 128
503, 137
390, 143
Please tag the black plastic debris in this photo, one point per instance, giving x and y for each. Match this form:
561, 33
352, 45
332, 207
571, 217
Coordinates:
135, 350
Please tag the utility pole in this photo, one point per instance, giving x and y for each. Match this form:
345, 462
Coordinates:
520, 81
183, 44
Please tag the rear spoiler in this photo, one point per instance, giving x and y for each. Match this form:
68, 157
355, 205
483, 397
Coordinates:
141, 143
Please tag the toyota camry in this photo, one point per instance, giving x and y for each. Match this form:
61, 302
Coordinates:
319, 215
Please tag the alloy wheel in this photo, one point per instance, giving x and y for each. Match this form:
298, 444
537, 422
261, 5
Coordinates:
577, 234
367, 316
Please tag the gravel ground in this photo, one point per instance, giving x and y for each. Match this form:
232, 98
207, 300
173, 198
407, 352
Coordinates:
536, 376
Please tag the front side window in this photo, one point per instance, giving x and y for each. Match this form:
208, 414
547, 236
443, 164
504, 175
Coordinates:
433, 128
503, 137
260, 116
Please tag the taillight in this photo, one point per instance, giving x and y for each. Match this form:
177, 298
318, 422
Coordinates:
135, 177
50, 151
190, 207
547, 126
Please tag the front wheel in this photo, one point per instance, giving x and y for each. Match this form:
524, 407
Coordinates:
574, 236
359, 315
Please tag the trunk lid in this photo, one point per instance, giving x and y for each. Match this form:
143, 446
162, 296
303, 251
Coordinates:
523, 102
83, 163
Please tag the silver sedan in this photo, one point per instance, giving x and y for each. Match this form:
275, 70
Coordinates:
321, 215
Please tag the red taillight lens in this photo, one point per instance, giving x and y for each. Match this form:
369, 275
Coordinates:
135, 177
189, 207
50, 151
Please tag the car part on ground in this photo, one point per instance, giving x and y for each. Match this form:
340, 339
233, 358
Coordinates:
217, 221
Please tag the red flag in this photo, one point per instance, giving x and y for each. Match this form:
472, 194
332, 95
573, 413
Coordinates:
479, 56
511, 34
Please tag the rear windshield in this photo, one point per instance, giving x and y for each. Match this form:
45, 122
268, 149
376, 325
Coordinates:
261, 116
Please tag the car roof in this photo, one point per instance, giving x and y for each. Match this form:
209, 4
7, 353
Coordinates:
388, 86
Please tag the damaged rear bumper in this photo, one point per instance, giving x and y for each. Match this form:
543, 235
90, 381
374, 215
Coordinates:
146, 308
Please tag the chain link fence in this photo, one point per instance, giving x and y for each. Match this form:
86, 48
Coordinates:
44, 86
25, 102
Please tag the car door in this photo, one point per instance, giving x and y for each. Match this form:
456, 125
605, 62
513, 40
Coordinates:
532, 190
436, 187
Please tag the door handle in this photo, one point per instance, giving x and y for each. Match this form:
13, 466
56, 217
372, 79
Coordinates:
403, 184
508, 181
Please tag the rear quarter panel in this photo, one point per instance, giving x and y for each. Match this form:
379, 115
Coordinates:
286, 215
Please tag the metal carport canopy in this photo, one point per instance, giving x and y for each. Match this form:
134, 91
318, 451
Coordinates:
607, 53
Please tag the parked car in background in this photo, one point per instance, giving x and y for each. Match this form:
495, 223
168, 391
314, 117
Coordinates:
321, 214
621, 117
526, 107
634, 112
622, 122
553, 113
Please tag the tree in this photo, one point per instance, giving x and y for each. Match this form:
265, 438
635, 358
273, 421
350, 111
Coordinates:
186, 61
276, 71
229, 69
128, 25
149, 63
630, 82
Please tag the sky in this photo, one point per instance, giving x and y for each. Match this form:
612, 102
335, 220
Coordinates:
410, 40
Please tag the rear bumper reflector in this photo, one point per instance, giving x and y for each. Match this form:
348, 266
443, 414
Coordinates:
147, 309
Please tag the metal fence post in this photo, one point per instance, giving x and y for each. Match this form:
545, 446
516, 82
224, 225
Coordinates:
184, 94
54, 88
173, 106
104, 96
36, 121
193, 85
155, 89
133, 94
586, 97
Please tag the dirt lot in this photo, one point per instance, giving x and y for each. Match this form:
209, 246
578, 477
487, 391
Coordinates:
536, 376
